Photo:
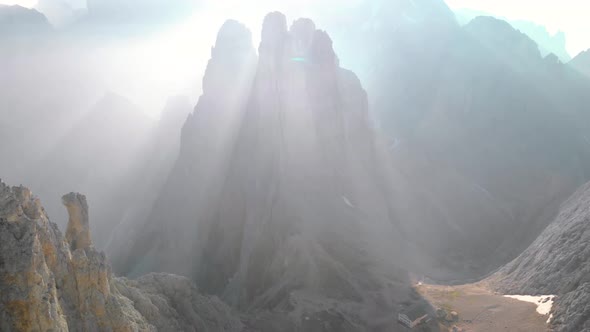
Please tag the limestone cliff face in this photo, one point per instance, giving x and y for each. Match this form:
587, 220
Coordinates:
78, 233
48, 282
557, 263
206, 140
487, 136
280, 199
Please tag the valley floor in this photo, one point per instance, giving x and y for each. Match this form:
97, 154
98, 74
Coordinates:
481, 309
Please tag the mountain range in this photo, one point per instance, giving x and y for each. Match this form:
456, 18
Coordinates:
315, 178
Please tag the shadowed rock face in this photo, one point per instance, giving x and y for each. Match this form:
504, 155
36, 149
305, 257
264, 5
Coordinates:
280, 199
48, 284
557, 263
206, 140
487, 137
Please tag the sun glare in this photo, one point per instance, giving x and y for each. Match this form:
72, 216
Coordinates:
24, 3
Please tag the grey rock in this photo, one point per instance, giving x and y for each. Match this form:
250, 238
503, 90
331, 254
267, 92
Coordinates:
483, 151
78, 232
581, 63
280, 201
50, 284
557, 263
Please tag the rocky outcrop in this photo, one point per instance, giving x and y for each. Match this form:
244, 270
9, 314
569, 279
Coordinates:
205, 145
78, 232
46, 285
50, 284
557, 263
280, 201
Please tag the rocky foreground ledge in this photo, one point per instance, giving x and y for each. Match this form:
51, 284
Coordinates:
49, 282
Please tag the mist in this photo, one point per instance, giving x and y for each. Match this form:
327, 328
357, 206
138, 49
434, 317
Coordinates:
62, 72
294, 165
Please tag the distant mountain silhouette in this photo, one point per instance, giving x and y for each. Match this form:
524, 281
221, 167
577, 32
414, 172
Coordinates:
18, 22
548, 43
62, 12
581, 63
475, 114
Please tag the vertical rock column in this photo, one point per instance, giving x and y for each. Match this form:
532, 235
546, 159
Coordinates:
78, 232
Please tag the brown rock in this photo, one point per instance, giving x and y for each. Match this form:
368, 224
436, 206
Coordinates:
46, 286
78, 232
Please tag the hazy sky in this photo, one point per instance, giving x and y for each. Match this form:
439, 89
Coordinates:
24, 3
569, 16
171, 61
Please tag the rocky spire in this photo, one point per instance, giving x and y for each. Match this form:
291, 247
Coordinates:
302, 31
46, 286
274, 35
207, 139
286, 206
78, 232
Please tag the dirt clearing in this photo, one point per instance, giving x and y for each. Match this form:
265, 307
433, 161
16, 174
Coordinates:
480, 309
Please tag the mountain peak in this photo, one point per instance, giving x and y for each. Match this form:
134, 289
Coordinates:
18, 21
499, 34
54, 283
581, 63
278, 167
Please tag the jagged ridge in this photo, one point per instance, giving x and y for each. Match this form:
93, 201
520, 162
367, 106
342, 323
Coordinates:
281, 198
558, 262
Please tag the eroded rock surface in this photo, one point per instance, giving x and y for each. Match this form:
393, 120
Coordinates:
281, 200
50, 284
78, 232
558, 263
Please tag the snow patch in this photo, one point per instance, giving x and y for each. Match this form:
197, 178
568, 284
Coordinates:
543, 302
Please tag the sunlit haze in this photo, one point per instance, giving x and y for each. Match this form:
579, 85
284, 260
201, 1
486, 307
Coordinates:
294, 165
24, 3
165, 63
569, 16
